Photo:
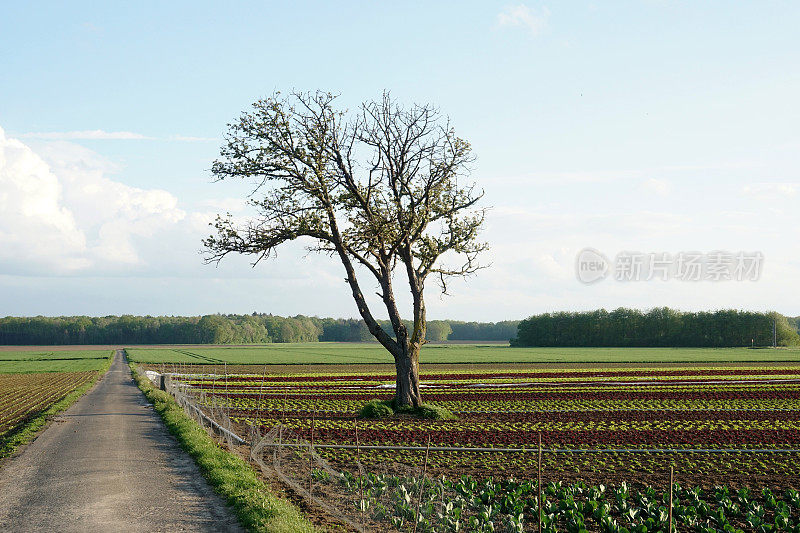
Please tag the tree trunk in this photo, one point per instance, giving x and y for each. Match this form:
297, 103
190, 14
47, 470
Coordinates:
407, 382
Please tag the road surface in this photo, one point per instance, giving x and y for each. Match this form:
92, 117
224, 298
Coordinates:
109, 464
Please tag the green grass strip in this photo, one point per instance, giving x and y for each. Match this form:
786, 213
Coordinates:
256, 507
28, 431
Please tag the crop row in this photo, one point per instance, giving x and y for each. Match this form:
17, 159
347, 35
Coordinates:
483, 395
244, 384
491, 425
559, 438
488, 383
741, 418
756, 468
306, 405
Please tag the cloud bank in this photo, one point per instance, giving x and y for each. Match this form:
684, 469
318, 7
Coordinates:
60, 214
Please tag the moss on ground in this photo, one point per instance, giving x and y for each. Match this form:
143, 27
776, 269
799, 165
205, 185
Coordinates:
375, 409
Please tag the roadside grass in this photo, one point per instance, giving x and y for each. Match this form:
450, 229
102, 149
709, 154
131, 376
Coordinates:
27, 431
256, 507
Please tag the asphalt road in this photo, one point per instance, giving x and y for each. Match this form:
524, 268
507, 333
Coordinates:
108, 464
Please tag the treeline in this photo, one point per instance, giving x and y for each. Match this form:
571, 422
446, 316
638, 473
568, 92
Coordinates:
222, 329
661, 326
438, 330
621, 327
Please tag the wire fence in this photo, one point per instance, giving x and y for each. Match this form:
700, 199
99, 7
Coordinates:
393, 497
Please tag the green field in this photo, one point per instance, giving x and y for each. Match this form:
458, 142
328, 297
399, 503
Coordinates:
23, 362
344, 353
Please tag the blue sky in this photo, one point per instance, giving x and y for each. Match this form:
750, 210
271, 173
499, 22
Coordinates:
653, 126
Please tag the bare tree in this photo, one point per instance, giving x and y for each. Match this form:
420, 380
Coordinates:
378, 188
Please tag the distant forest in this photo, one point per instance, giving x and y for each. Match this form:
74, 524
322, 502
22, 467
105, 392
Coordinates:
657, 327
620, 327
223, 329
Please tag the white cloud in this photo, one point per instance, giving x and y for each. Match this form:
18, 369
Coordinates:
59, 213
34, 225
521, 16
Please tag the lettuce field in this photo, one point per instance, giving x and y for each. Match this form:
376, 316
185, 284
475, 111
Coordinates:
713, 423
610, 435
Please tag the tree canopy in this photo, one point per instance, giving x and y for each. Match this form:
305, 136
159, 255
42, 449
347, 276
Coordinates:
380, 189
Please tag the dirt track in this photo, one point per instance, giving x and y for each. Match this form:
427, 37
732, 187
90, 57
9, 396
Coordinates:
108, 464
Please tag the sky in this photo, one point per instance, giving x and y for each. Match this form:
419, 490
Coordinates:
630, 128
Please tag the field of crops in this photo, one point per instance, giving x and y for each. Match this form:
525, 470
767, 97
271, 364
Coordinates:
610, 434
747, 414
373, 353
33, 381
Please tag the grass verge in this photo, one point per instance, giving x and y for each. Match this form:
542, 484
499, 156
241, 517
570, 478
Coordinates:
28, 431
256, 507
375, 409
